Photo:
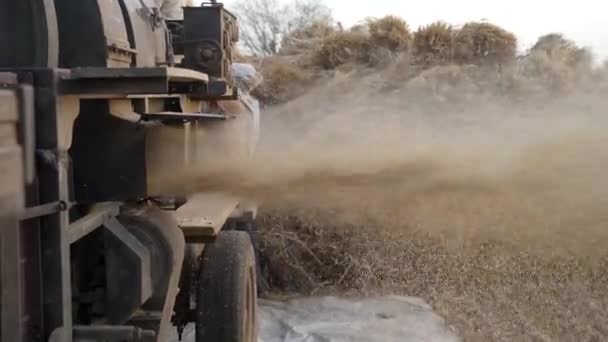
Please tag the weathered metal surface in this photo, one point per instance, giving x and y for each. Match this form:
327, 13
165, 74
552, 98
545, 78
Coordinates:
41, 210
9, 105
209, 34
183, 116
28, 32
17, 102
28, 130
11, 299
119, 49
124, 109
204, 215
159, 232
92, 33
168, 73
109, 158
146, 34
106, 83
11, 168
128, 261
99, 215
112, 333
53, 186
68, 108
11, 203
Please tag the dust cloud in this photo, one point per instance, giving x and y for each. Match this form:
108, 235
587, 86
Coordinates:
456, 159
483, 193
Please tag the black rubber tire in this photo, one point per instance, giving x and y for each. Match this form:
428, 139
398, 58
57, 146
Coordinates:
250, 227
226, 292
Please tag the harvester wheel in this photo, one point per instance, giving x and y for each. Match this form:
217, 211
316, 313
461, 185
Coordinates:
249, 226
226, 292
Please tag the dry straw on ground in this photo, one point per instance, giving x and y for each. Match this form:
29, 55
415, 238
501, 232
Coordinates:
492, 291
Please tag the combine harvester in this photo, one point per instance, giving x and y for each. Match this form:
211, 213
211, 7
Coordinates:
99, 99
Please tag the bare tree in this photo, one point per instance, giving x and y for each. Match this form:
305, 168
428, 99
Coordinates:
264, 23
307, 12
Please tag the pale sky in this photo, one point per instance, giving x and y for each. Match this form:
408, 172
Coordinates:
584, 21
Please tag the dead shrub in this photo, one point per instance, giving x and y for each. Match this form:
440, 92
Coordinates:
556, 64
538, 68
434, 43
560, 49
306, 39
282, 81
484, 43
342, 47
390, 32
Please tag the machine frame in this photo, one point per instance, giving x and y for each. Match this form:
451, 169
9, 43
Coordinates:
63, 200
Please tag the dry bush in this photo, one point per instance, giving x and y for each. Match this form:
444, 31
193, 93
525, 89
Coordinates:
283, 81
483, 44
390, 32
306, 39
434, 43
342, 47
560, 49
555, 64
538, 72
